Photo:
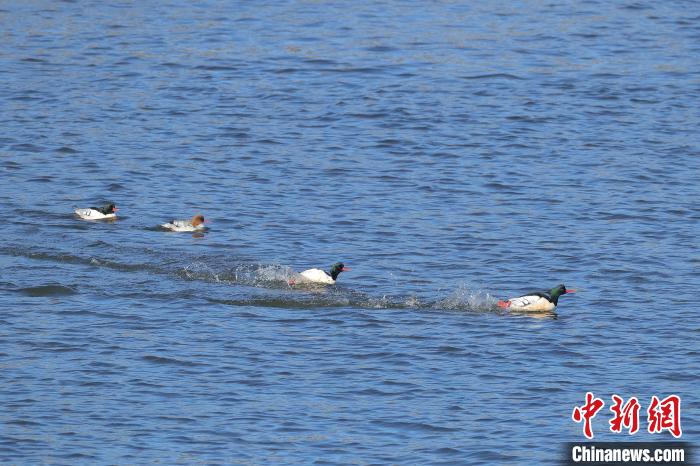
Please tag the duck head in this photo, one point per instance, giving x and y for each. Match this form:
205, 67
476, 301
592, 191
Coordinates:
557, 291
336, 269
197, 220
108, 209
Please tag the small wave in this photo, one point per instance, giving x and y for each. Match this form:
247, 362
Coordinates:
61, 257
405, 425
495, 76
23, 422
381, 48
164, 360
26, 147
358, 70
53, 346
66, 150
216, 67
47, 291
368, 116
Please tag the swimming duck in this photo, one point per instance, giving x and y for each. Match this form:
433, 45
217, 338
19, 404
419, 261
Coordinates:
321, 276
196, 223
536, 301
97, 213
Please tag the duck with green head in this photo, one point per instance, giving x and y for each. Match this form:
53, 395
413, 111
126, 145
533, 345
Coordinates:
539, 301
323, 277
98, 213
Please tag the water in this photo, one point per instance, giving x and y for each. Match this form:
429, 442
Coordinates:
451, 154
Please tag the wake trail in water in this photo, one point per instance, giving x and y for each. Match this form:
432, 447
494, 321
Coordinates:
272, 280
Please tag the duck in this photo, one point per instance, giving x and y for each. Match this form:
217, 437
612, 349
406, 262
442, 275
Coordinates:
537, 301
195, 224
97, 213
321, 276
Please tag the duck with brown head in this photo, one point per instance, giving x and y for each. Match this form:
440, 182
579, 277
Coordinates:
196, 223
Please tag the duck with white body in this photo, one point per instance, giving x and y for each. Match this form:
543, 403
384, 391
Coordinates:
321, 276
195, 224
98, 213
538, 301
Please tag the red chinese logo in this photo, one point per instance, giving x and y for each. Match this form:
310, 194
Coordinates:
665, 415
587, 412
625, 416
662, 415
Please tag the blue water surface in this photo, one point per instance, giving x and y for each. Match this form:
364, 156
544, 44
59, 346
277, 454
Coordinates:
450, 153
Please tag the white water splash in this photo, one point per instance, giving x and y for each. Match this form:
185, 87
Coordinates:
467, 299
201, 271
258, 275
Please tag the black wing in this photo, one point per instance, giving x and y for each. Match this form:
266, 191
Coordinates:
541, 294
